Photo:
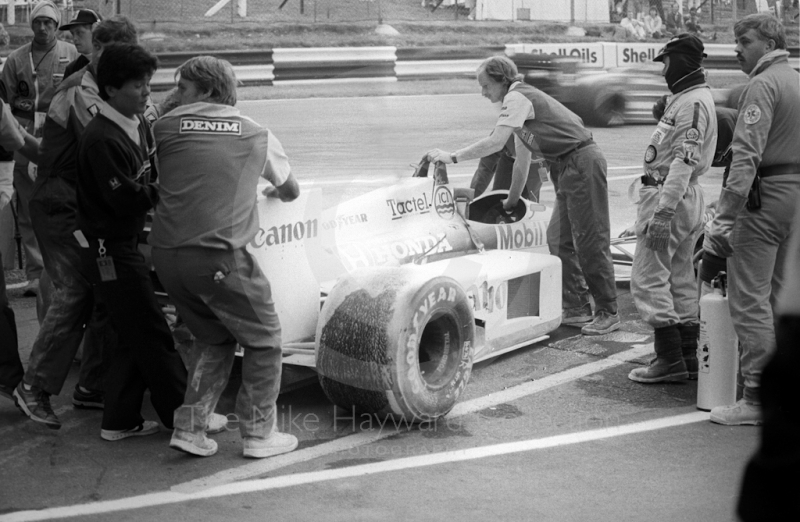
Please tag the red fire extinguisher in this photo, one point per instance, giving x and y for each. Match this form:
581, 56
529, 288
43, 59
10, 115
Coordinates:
717, 351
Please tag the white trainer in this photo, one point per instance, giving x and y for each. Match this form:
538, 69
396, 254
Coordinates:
275, 444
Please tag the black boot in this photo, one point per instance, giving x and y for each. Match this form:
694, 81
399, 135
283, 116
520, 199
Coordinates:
689, 335
668, 366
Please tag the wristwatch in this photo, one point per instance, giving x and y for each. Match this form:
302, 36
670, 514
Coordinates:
453, 157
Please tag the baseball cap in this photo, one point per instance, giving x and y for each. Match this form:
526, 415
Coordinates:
684, 44
83, 17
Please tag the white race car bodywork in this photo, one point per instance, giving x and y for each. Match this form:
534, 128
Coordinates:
453, 289
303, 249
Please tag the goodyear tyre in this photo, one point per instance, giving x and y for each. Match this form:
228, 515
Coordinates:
395, 341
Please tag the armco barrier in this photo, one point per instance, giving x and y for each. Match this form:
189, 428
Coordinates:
302, 65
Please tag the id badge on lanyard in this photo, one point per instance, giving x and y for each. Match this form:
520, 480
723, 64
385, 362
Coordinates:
105, 264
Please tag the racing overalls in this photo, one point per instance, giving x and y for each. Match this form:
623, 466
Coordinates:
754, 239
579, 232
680, 150
29, 87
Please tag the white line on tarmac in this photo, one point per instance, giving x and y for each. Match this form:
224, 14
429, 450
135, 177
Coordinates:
285, 481
361, 438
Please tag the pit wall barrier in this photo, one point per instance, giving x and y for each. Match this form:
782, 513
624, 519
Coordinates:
286, 66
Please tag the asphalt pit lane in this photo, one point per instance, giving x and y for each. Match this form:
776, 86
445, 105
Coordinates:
444, 428
346, 463
501, 411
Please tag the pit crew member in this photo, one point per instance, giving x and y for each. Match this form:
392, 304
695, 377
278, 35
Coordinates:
70, 318
670, 214
115, 190
210, 158
579, 232
755, 211
81, 28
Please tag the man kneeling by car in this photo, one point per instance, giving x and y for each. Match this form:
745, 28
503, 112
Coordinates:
210, 158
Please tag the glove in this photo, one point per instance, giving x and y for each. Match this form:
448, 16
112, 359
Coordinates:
657, 235
659, 107
711, 266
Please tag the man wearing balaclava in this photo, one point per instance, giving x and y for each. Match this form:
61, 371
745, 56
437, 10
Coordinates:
670, 214
30, 77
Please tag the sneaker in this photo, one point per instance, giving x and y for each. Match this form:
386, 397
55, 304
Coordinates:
660, 370
87, 399
216, 423
603, 323
578, 315
738, 414
35, 403
275, 444
145, 428
193, 443
31, 289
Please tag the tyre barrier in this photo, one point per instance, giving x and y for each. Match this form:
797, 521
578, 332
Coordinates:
396, 342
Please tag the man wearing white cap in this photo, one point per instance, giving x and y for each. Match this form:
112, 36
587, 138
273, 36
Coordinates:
30, 77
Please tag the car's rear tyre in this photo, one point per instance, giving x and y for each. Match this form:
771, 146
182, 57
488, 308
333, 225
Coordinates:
391, 342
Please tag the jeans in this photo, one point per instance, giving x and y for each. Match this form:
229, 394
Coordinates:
71, 299
224, 298
579, 232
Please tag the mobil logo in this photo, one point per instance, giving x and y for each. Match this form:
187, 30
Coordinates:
520, 235
443, 202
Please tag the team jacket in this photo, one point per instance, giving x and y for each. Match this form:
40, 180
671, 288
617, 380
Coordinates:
209, 159
682, 146
74, 105
27, 92
766, 134
115, 181
768, 126
554, 129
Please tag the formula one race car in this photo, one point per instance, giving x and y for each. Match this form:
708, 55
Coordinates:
617, 96
393, 295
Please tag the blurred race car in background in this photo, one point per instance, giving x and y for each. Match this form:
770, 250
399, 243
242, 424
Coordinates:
618, 96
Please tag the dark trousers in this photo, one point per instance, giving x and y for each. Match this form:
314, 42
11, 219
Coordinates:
144, 356
579, 232
10, 366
